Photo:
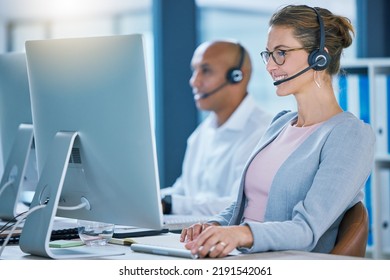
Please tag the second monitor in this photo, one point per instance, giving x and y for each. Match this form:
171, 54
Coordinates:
16, 136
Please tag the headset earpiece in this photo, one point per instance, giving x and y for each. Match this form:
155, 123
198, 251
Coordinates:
320, 57
234, 75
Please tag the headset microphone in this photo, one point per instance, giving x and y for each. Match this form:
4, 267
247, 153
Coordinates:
205, 95
299, 73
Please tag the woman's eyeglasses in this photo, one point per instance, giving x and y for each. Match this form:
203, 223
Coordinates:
278, 55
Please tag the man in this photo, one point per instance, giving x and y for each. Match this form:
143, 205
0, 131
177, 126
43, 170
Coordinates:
220, 146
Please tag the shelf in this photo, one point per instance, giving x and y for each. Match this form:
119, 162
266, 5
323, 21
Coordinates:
364, 89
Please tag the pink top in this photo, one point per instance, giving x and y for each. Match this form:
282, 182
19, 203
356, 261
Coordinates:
264, 166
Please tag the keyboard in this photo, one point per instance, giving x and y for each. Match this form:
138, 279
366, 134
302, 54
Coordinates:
64, 234
59, 234
175, 223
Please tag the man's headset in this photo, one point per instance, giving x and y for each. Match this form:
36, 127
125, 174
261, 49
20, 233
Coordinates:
318, 59
233, 76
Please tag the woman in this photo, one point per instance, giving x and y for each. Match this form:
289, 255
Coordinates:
311, 165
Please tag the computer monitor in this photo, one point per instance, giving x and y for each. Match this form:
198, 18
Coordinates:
16, 135
94, 140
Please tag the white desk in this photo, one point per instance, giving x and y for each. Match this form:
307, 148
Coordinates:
13, 252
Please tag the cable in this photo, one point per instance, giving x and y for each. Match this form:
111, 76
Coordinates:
13, 221
6, 185
84, 204
80, 206
24, 216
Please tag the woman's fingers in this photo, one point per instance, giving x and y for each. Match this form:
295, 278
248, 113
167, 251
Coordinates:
217, 241
192, 232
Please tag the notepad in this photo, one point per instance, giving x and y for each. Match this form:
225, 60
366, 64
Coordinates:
65, 243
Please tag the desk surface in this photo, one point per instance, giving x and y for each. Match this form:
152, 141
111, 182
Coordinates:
123, 252
13, 252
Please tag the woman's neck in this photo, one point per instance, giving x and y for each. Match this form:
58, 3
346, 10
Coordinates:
316, 107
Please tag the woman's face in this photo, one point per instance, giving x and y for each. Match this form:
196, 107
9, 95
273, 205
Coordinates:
287, 59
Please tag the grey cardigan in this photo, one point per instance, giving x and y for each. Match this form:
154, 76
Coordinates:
312, 189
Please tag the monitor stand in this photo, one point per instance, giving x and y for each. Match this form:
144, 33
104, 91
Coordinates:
38, 226
14, 171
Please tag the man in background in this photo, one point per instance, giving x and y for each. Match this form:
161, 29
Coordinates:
221, 145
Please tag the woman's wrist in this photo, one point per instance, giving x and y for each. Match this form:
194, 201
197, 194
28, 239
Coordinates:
245, 236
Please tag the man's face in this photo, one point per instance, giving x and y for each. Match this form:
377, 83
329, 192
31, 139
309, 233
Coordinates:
209, 70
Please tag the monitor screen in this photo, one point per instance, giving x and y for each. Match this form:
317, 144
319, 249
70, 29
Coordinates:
19, 172
15, 105
95, 90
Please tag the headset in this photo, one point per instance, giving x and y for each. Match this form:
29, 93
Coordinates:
233, 76
318, 59
320, 54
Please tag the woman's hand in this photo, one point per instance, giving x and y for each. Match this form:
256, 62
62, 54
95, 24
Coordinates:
216, 241
192, 232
